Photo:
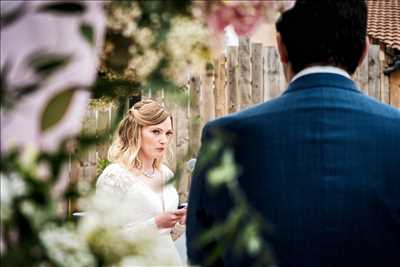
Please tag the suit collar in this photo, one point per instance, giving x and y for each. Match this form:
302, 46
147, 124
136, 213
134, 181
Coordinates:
318, 69
322, 80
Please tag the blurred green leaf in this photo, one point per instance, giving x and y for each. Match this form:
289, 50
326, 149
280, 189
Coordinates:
47, 63
101, 165
4, 85
27, 89
65, 8
56, 108
88, 33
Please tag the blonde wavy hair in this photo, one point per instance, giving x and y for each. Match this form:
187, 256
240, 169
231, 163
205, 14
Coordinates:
127, 141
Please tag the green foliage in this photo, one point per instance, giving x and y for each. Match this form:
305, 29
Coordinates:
114, 88
101, 165
56, 108
225, 173
88, 33
117, 60
151, 21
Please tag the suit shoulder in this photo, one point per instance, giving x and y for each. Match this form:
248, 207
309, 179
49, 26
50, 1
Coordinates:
237, 118
383, 110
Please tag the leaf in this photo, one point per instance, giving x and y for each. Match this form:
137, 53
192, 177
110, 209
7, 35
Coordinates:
56, 108
11, 17
66, 8
3, 81
26, 89
47, 63
88, 33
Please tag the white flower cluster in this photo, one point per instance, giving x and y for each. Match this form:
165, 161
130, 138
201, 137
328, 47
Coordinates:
188, 47
123, 19
66, 247
142, 64
102, 226
224, 174
11, 186
143, 57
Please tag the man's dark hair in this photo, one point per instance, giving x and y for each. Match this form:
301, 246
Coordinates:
324, 32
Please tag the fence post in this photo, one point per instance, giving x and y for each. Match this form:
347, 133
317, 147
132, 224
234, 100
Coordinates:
207, 99
374, 71
181, 127
257, 91
244, 72
220, 92
385, 92
194, 116
233, 93
361, 76
167, 98
394, 82
273, 74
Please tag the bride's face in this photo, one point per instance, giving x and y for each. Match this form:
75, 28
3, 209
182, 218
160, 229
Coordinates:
155, 139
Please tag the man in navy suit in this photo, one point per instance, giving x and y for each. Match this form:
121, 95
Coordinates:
320, 163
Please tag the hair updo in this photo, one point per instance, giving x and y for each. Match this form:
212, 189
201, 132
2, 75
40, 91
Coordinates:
126, 145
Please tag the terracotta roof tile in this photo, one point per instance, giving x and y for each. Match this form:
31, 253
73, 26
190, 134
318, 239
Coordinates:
384, 22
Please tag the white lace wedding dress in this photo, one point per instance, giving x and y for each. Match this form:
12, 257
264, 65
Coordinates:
144, 205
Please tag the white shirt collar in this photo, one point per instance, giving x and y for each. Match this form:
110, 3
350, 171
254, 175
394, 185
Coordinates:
321, 69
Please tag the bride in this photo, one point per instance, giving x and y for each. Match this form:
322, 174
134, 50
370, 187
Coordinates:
137, 175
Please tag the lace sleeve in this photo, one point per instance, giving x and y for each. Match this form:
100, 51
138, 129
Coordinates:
111, 181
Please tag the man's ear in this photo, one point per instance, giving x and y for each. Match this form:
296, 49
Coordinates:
365, 51
282, 49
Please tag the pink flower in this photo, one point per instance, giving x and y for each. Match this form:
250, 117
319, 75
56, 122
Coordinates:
244, 16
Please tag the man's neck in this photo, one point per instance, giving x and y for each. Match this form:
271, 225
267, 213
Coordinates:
320, 69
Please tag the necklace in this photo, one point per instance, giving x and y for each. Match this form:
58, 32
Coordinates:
149, 174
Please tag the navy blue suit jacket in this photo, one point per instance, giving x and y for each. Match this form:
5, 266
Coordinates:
321, 163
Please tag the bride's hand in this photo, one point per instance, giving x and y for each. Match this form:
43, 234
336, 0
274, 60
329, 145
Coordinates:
170, 218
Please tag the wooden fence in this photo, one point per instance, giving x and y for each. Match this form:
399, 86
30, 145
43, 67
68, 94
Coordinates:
241, 77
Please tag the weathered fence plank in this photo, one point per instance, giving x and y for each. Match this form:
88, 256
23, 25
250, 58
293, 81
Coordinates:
182, 141
207, 99
361, 76
374, 71
171, 106
233, 89
220, 92
257, 87
194, 115
244, 72
384, 92
394, 82
273, 84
